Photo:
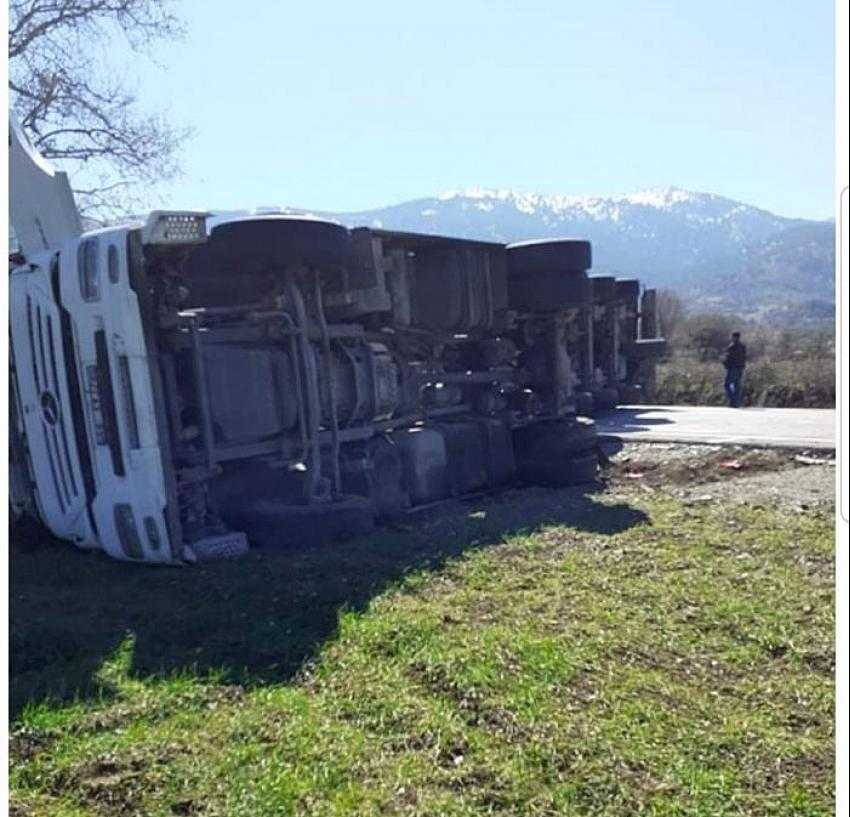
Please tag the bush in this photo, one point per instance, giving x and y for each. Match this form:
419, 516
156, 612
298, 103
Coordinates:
790, 366
705, 335
798, 383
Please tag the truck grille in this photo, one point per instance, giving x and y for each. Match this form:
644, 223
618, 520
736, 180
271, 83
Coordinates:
106, 394
128, 402
46, 377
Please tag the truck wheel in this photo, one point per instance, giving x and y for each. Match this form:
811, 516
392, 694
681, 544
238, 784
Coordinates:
583, 469
628, 289
555, 440
584, 403
545, 452
579, 436
270, 524
548, 276
262, 245
604, 288
550, 291
628, 294
561, 472
605, 399
555, 255
631, 394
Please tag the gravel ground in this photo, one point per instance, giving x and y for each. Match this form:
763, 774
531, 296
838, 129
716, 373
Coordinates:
801, 488
712, 473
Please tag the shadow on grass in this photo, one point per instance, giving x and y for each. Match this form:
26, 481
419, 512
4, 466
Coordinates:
255, 620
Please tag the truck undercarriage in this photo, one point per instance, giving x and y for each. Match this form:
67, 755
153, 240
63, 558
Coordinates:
312, 380
179, 391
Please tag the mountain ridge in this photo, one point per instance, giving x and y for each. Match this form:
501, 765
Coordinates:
717, 252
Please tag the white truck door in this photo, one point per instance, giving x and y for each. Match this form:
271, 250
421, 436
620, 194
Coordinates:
41, 203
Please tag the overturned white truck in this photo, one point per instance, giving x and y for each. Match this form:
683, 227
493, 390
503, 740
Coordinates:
178, 391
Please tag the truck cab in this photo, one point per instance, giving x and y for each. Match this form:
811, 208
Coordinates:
85, 413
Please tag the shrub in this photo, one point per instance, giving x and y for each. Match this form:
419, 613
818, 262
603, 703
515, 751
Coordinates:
706, 335
799, 383
787, 365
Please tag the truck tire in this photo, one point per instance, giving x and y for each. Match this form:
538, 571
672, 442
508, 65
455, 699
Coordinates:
583, 469
584, 403
605, 399
579, 436
628, 289
549, 275
274, 525
545, 452
631, 394
549, 291
566, 471
604, 288
262, 245
557, 440
555, 255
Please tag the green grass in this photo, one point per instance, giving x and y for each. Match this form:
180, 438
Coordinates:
544, 654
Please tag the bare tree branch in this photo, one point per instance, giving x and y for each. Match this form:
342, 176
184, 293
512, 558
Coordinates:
73, 107
142, 21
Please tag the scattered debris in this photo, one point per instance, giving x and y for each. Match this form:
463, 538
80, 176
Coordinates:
807, 460
798, 479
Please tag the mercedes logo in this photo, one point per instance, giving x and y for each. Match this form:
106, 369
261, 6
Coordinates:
49, 408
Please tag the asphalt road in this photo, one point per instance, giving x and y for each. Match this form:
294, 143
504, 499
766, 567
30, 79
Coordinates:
769, 427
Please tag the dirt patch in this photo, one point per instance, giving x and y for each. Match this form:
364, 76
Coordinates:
688, 464
811, 769
734, 474
113, 783
26, 743
800, 489
19, 809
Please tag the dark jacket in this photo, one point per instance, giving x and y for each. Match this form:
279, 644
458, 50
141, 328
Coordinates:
736, 356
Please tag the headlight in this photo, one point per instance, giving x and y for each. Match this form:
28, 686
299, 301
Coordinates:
175, 228
152, 532
88, 267
128, 534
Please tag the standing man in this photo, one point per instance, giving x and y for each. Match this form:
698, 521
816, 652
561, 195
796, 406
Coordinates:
735, 360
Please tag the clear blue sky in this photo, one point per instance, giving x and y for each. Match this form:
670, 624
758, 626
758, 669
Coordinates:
345, 106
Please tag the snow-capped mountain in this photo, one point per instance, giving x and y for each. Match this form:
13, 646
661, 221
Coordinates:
716, 252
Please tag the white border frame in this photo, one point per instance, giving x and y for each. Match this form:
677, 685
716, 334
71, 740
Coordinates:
842, 609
